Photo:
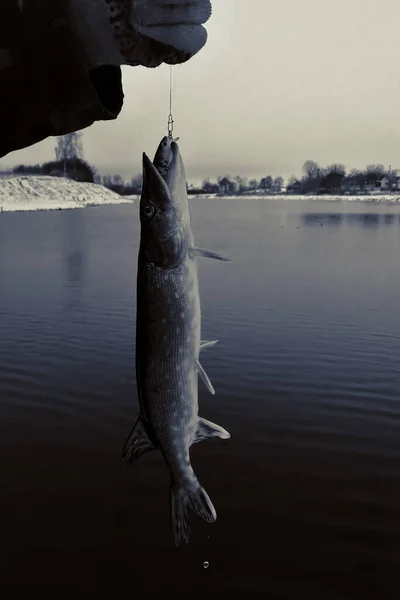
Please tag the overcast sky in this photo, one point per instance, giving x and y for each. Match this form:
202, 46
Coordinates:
278, 82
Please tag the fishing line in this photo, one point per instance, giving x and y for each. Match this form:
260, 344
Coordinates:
170, 125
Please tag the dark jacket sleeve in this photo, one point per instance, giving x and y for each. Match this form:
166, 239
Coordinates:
45, 88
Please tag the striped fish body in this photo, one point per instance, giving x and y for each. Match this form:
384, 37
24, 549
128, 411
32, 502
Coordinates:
168, 337
167, 348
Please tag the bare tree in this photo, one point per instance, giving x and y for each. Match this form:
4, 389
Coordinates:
253, 184
137, 183
336, 168
375, 169
313, 174
107, 181
69, 147
118, 179
266, 183
374, 173
241, 182
96, 174
277, 184
355, 180
311, 169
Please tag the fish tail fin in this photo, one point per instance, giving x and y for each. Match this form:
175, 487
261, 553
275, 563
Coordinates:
189, 495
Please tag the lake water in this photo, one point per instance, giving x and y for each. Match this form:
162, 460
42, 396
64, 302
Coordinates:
307, 379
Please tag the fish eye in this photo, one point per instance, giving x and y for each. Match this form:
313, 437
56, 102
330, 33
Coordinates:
148, 210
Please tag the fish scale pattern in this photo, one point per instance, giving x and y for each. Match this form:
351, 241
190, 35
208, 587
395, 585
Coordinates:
168, 342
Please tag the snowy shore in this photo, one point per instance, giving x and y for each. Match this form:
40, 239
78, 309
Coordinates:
28, 193
37, 192
373, 198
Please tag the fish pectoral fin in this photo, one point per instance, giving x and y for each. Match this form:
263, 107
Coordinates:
138, 442
204, 377
207, 344
207, 429
207, 254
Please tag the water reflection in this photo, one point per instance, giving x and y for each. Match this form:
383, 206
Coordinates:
74, 270
318, 219
389, 219
336, 219
307, 381
74, 249
370, 220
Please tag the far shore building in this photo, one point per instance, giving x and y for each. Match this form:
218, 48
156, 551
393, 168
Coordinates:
210, 188
228, 186
391, 181
294, 188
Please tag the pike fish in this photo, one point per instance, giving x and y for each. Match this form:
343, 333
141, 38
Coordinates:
168, 337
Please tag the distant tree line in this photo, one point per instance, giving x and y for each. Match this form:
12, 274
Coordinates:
333, 179
315, 180
76, 169
69, 162
239, 185
117, 184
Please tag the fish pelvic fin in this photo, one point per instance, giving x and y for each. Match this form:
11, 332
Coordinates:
189, 495
207, 429
205, 378
193, 252
138, 442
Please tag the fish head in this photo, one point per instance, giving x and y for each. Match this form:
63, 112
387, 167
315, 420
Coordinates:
165, 236
164, 155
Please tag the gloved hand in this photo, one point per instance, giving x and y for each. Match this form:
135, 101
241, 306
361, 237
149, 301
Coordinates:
175, 24
145, 32
60, 59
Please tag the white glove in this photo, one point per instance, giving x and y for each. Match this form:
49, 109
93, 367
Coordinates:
140, 32
177, 24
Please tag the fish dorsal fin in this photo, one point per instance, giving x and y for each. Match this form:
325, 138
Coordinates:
138, 442
204, 377
194, 251
206, 344
207, 429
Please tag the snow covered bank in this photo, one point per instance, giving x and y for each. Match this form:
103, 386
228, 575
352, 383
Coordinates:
36, 192
373, 198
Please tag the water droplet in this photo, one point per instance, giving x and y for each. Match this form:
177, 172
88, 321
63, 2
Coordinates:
206, 564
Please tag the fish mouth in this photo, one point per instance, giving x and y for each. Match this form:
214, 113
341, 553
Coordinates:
164, 233
174, 147
154, 184
175, 152
154, 181
158, 191
150, 171
174, 170
164, 188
